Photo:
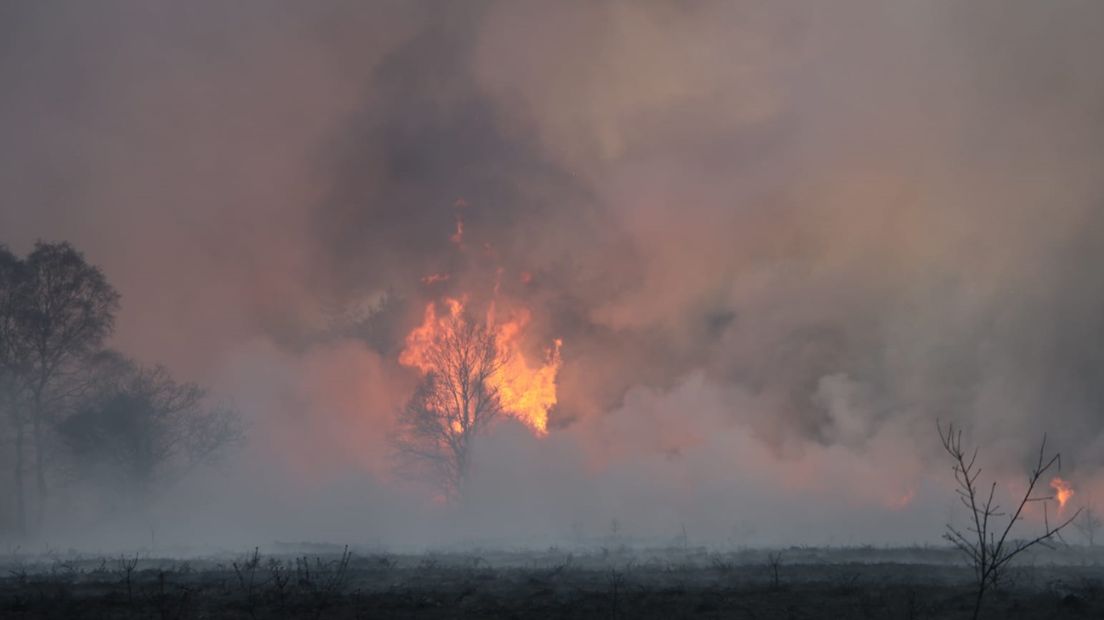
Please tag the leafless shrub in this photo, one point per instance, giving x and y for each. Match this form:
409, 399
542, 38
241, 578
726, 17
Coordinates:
987, 544
246, 572
64, 569
101, 570
774, 566
721, 564
561, 566
126, 568
1088, 525
616, 581
338, 573
326, 580
383, 561
280, 578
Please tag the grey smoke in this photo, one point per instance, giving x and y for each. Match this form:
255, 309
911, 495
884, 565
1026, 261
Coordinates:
794, 231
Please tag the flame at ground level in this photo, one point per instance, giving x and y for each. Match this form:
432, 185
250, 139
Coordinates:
1062, 491
902, 501
526, 392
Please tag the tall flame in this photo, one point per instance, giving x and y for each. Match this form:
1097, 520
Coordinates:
1062, 491
526, 391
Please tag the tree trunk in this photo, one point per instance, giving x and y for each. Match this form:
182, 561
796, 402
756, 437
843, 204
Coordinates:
977, 601
20, 491
40, 463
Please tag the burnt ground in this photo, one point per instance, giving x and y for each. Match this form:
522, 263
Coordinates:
609, 582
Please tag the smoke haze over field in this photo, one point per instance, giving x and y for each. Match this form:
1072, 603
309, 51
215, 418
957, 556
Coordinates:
778, 240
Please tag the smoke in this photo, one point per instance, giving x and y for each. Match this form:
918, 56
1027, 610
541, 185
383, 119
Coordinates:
778, 241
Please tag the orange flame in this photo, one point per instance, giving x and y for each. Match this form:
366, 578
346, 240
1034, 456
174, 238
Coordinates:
526, 391
1062, 491
902, 501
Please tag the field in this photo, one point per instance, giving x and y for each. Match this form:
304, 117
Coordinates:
314, 581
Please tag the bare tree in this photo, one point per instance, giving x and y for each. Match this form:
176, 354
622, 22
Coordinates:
145, 429
453, 403
774, 564
57, 382
12, 369
1089, 524
985, 541
65, 308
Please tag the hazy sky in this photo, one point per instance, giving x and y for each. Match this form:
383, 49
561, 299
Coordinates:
777, 239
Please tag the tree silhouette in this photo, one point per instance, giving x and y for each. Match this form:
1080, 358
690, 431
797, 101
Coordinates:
1089, 524
144, 429
64, 309
12, 369
452, 404
985, 541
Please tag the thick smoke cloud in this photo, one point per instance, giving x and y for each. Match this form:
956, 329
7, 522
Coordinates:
778, 240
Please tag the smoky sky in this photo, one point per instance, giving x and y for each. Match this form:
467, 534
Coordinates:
770, 235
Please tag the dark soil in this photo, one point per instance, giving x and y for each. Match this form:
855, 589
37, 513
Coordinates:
798, 583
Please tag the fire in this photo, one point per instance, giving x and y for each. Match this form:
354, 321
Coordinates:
1062, 491
902, 501
526, 390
